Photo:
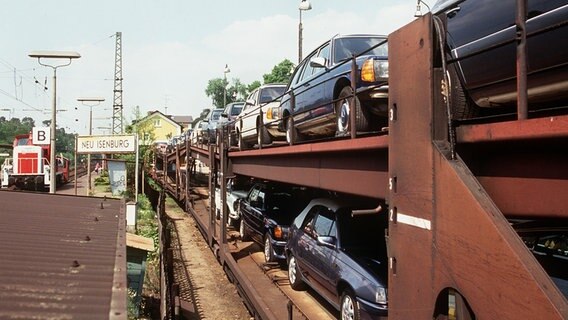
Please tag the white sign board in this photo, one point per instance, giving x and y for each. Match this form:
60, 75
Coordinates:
106, 144
41, 135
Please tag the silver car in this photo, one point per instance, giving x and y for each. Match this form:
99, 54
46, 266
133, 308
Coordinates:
248, 124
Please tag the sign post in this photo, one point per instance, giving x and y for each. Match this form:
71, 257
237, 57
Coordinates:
110, 144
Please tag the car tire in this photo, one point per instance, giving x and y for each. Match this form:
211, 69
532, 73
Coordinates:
294, 275
460, 106
349, 308
292, 131
268, 250
265, 136
343, 111
243, 231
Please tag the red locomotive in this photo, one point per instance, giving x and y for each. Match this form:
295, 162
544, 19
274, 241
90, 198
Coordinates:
29, 168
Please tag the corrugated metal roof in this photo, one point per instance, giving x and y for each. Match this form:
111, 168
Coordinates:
62, 257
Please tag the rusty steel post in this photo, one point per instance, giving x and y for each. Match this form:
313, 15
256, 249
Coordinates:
260, 129
212, 232
291, 122
522, 95
240, 137
223, 187
352, 109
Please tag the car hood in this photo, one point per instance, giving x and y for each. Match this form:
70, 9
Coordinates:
369, 260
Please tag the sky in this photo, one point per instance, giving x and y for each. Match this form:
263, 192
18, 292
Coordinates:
170, 50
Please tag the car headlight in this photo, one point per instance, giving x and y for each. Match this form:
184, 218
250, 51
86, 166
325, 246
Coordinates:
273, 113
374, 70
381, 296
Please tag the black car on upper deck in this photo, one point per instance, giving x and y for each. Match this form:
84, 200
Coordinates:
321, 87
481, 51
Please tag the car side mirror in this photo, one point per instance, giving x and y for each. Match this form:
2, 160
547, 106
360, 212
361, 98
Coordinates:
317, 62
205, 120
224, 115
250, 102
327, 241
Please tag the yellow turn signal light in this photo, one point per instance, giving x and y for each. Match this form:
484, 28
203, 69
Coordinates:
368, 71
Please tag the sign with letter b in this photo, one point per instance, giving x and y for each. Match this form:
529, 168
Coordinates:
41, 135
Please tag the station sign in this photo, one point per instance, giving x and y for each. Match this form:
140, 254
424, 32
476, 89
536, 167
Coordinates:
106, 144
41, 135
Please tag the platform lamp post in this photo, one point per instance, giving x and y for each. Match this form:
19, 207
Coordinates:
304, 6
90, 102
227, 70
58, 56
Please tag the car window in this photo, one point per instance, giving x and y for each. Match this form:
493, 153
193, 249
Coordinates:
279, 201
216, 114
344, 48
360, 230
324, 225
297, 73
271, 93
323, 53
308, 224
308, 70
236, 109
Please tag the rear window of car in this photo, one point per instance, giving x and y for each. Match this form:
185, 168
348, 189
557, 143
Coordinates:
236, 110
346, 47
216, 114
271, 93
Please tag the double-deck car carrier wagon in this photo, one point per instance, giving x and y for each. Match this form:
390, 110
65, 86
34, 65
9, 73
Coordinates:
476, 209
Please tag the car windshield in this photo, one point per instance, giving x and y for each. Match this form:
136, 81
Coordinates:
344, 48
271, 93
360, 231
216, 114
237, 108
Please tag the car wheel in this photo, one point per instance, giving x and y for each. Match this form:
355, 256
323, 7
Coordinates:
291, 132
268, 251
294, 275
461, 106
349, 307
265, 137
243, 231
343, 110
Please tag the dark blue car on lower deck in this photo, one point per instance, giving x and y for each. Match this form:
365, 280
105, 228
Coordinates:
342, 255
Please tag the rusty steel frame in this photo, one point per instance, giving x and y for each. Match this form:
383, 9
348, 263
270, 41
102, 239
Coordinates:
445, 230
354, 166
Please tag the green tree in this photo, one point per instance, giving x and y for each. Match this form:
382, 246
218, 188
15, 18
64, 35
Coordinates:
281, 73
215, 90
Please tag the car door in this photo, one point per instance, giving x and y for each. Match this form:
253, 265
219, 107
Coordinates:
304, 243
324, 256
254, 209
247, 118
309, 90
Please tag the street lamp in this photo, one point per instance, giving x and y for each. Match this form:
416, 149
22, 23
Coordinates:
227, 70
9, 112
61, 55
304, 6
90, 102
